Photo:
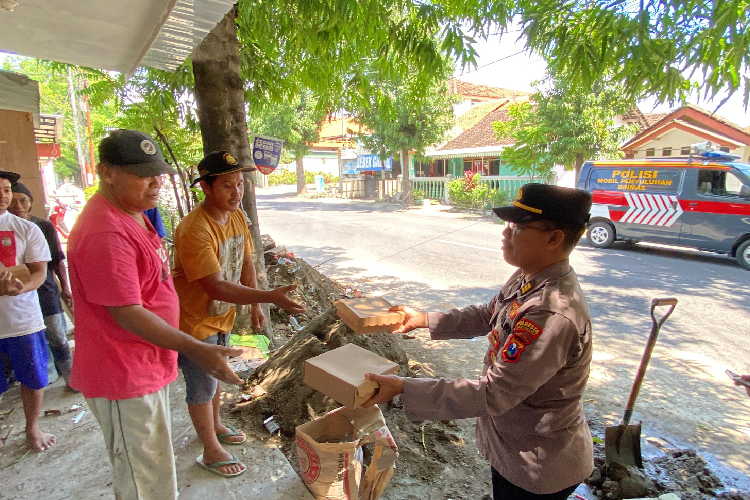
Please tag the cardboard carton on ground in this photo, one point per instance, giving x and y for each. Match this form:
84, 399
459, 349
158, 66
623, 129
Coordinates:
340, 374
368, 315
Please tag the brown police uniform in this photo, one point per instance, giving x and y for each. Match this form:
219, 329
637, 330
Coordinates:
530, 426
530, 421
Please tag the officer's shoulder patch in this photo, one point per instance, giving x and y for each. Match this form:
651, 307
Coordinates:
528, 327
513, 349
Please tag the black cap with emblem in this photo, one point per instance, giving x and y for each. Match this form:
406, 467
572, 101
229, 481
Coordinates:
552, 203
219, 163
135, 152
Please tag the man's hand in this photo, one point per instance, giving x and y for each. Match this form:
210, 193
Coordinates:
212, 358
257, 316
10, 285
278, 296
390, 387
67, 297
412, 319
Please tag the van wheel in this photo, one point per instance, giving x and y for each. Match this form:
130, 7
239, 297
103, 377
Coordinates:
743, 255
601, 235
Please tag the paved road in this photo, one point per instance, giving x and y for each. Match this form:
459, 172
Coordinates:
435, 259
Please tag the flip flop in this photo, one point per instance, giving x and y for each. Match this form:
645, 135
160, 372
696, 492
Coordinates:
223, 437
214, 468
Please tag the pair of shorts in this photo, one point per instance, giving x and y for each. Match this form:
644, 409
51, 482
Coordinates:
28, 357
200, 387
138, 436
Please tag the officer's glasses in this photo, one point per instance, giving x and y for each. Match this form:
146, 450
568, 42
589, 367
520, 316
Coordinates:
516, 228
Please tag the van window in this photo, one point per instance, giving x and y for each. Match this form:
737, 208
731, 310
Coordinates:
652, 180
720, 183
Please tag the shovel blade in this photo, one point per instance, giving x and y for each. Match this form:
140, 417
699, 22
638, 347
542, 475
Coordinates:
622, 445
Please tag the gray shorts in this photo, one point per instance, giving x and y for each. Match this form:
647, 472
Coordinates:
200, 387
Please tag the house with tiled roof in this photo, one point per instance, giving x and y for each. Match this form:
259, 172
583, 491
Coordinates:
472, 94
475, 147
671, 134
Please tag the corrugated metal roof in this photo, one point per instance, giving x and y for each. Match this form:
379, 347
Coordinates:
185, 28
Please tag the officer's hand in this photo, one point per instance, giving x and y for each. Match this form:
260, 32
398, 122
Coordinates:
390, 387
412, 319
257, 316
280, 298
212, 358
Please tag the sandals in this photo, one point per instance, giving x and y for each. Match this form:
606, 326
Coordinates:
214, 468
223, 437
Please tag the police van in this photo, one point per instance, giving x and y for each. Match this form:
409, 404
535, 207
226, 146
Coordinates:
700, 202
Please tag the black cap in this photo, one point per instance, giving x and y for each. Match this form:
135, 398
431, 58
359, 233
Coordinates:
219, 163
11, 176
18, 187
551, 203
134, 151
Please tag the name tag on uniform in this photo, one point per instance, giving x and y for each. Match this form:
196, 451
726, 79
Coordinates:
7, 241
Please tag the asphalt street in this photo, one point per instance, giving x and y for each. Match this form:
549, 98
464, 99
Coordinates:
433, 258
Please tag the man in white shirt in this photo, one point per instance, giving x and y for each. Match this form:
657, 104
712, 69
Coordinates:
21, 323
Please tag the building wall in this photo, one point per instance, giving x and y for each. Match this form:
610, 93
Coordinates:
678, 139
18, 154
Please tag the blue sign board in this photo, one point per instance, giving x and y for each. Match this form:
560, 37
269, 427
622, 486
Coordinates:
266, 154
372, 163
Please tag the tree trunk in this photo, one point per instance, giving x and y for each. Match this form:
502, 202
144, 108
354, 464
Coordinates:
578, 165
406, 187
219, 96
301, 187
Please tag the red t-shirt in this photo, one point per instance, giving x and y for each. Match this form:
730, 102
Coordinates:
115, 262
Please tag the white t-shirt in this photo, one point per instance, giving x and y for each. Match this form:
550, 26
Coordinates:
21, 242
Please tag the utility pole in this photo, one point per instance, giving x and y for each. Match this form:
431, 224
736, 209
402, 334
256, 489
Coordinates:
76, 127
88, 126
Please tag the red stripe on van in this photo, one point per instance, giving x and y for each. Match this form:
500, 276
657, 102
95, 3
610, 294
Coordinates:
715, 207
609, 198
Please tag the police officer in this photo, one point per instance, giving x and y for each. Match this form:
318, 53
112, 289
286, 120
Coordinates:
528, 401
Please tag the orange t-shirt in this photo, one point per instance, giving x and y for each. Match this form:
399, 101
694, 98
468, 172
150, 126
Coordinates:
204, 247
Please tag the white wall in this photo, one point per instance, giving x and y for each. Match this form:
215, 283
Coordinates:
315, 164
677, 139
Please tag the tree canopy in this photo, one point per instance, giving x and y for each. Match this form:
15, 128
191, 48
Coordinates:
661, 48
565, 125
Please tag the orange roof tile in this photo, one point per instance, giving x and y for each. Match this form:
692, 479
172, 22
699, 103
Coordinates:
460, 87
482, 134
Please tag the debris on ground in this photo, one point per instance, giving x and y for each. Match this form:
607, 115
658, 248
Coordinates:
680, 471
431, 454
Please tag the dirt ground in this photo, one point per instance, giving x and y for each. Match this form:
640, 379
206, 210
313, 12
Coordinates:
439, 460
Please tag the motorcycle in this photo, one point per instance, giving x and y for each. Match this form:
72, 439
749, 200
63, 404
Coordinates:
63, 216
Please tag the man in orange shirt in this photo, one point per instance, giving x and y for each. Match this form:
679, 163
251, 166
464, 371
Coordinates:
213, 271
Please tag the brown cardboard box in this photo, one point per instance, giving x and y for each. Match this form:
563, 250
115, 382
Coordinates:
368, 315
21, 272
340, 374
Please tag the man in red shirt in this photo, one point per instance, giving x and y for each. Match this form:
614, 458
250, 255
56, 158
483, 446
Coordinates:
127, 318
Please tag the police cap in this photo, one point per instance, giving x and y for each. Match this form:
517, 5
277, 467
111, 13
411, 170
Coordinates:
551, 203
219, 163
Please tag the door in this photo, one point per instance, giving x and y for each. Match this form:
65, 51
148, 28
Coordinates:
641, 201
717, 211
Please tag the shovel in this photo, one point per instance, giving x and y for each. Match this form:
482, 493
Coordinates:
622, 443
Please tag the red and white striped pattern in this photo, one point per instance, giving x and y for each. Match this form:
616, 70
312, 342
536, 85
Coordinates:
652, 209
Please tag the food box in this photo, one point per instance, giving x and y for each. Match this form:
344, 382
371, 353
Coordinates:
340, 374
368, 315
